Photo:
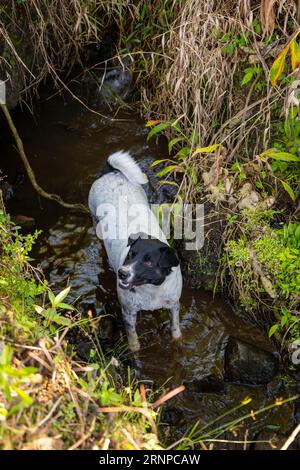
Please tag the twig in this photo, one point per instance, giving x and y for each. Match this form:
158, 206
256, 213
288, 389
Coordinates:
291, 438
29, 170
130, 439
130, 409
48, 416
168, 396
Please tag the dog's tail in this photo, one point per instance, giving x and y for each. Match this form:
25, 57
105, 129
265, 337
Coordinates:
123, 162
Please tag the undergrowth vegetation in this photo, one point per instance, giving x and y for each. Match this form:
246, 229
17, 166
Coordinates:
221, 81
48, 398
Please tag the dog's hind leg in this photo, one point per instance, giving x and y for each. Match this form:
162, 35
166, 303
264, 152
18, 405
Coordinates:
175, 327
129, 319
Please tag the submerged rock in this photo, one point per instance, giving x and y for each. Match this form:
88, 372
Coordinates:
247, 364
208, 384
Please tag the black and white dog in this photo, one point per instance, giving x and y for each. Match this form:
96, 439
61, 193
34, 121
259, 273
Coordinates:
147, 268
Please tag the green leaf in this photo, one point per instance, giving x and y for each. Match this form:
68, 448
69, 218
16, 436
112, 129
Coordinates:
289, 190
174, 142
295, 53
26, 400
26, 371
169, 169
51, 297
228, 49
282, 156
273, 329
247, 78
65, 306
193, 175
171, 183
137, 397
209, 149
182, 153
152, 123
62, 295
278, 66
60, 320
157, 162
159, 128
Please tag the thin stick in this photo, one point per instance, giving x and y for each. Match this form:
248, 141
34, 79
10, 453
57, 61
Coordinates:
29, 170
291, 438
168, 396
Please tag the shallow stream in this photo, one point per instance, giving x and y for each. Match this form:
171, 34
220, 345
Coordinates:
66, 146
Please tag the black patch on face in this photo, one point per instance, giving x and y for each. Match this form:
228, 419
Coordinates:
152, 261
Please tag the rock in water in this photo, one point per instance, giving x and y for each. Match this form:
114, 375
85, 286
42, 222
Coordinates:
209, 384
247, 364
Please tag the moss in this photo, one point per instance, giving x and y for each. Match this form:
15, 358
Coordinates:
278, 255
268, 249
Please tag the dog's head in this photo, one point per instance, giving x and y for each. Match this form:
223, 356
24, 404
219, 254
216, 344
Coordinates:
149, 261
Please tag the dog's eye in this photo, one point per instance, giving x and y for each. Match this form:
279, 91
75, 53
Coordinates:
147, 260
131, 254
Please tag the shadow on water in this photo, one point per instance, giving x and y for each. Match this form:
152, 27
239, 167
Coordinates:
66, 146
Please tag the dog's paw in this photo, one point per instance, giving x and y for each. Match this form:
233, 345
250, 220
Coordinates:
176, 335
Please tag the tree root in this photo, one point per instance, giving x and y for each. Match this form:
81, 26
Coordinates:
30, 172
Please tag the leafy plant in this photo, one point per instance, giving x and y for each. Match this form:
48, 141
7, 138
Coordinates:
183, 150
285, 154
12, 380
20, 284
278, 255
251, 72
232, 41
52, 314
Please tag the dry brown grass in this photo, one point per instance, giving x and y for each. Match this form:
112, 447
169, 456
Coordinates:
196, 79
43, 38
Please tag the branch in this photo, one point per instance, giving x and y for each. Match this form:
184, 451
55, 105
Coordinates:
29, 170
291, 438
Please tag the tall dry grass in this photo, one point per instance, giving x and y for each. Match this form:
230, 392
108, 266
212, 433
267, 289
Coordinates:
41, 38
195, 80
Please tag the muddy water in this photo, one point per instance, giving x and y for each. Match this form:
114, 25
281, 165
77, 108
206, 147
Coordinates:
66, 146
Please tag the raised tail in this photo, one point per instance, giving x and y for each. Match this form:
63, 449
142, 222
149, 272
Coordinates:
123, 162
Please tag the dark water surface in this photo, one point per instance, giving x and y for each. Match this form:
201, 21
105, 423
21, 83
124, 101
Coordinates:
66, 146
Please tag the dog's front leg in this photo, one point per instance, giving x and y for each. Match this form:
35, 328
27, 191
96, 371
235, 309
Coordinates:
129, 318
175, 328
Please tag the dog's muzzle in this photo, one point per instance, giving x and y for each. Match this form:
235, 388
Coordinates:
124, 279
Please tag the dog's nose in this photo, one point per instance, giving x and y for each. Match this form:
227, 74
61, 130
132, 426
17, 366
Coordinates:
123, 274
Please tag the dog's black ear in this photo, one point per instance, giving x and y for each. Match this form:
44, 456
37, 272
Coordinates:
169, 257
135, 236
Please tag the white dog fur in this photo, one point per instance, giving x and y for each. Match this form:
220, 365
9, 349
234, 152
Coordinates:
106, 193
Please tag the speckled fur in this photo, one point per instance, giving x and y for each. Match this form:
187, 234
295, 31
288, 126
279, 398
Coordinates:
108, 189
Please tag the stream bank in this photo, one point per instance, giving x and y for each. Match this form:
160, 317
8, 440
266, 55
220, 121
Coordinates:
221, 360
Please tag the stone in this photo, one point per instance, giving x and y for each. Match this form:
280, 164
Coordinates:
247, 364
209, 384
